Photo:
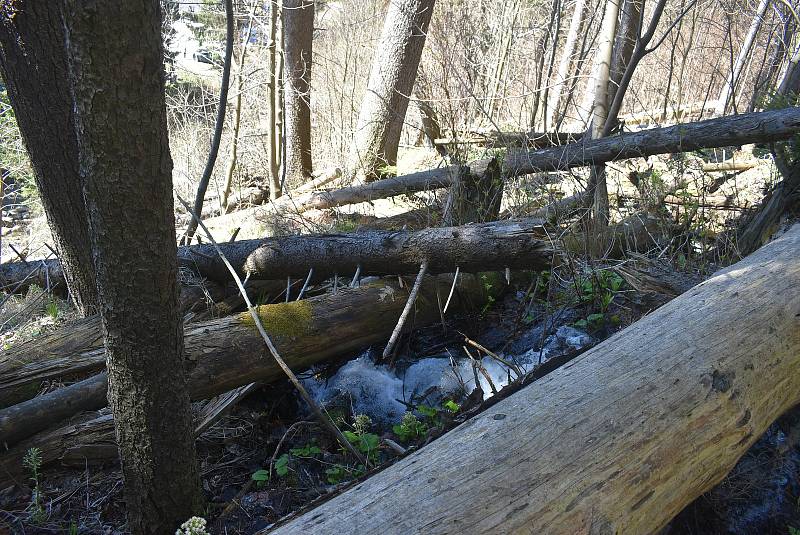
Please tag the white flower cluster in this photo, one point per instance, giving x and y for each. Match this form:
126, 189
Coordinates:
193, 526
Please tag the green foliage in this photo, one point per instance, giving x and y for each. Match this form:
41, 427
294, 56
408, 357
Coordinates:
33, 462
261, 477
451, 406
338, 473
52, 308
793, 530
308, 451
410, 428
598, 291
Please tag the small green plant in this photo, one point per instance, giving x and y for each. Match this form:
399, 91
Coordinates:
52, 309
308, 451
366, 442
487, 287
194, 526
598, 292
338, 473
410, 428
793, 530
451, 406
261, 477
33, 462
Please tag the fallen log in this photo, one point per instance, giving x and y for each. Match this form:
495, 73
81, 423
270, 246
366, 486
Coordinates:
477, 247
229, 352
620, 439
480, 247
729, 165
745, 128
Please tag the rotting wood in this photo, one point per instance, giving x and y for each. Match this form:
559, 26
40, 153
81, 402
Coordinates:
229, 352
620, 439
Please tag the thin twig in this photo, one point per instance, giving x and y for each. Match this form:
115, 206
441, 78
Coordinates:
325, 420
305, 284
412, 297
452, 289
494, 355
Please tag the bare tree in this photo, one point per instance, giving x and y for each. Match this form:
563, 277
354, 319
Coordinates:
394, 71
33, 63
298, 28
117, 79
567, 57
729, 87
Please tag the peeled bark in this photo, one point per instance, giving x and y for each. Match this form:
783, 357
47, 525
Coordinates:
298, 33
619, 440
33, 62
229, 352
117, 81
394, 71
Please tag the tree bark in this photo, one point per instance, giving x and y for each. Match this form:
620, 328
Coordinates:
758, 127
514, 244
600, 82
229, 352
729, 87
117, 78
620, 439
394, 71
33, 62
298, 28
564, 65
273, 96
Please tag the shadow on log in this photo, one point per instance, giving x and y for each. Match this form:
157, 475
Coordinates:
229, 352
620, 439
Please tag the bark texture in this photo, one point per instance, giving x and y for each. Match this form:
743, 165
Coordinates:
394, 71
116, 67
298, 28
620, 439
517, 244
229, 352
33, 62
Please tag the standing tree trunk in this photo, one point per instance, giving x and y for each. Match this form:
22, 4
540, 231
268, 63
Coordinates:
298, 28
33, 62
601, 76
273, 151
394, 70
729, 87
117, 77
570, 47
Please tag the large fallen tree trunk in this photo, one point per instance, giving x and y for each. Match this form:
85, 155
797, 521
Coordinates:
227, 352
620, 439
480, 247
757, 127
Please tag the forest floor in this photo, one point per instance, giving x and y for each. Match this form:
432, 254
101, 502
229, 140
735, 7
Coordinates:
268, 458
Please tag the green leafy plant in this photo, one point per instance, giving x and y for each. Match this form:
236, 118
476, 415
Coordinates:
598, 292
451, 406
33, 462
410, 428
366, 442
487, 287
308, 451
338, 473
